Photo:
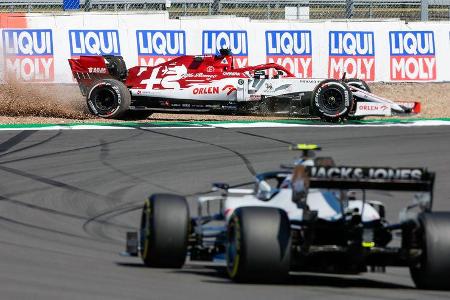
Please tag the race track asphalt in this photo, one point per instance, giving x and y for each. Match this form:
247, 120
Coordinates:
68, 197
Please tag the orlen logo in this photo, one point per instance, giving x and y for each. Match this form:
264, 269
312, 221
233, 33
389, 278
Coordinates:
158, 46
94, 42
292, 50
29, 54
235, 40
412, 55
352, 52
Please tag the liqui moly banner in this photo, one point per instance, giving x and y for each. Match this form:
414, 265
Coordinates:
94, 42
235, 40
35, 48
158, 46
412, 55
352, 52
292, 50
28, 54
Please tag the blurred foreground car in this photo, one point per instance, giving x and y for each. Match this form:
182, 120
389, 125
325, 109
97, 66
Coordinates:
306, 217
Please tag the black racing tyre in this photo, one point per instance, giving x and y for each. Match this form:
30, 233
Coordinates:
258, 245
137, 114
108, 98
361, 84
433, 269
331, 100
164, 231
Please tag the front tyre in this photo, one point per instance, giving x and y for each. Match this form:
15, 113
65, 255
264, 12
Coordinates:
108, 98
258, 245
331, 100
433, 269
164, 231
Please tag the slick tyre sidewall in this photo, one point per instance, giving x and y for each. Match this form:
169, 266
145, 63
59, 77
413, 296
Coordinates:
433, 269
164, 231
321, 103
258, 245
117, 95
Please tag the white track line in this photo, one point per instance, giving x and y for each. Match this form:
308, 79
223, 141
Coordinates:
419, 123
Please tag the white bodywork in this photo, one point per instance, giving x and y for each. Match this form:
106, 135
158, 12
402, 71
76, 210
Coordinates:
325, 202
253, 89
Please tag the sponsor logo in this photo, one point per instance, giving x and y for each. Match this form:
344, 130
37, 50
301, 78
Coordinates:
94, 42
370, 108
206, 90
269, 86
352, 52
229, 89
412, 55
158, 46
235, 40
213, 90
292, 50
29, 54
254, 97
232, 74
98, 70
366, 173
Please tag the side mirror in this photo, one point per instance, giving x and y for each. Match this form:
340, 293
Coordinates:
220, 186
264, 191
422, 200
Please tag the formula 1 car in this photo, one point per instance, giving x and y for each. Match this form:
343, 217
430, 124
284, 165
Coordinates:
306, 218
211, 83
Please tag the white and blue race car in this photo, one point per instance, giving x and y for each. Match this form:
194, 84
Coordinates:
312, 216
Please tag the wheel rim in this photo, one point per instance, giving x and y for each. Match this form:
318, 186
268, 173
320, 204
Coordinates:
106, 102
232, 250
145, 230
332, 100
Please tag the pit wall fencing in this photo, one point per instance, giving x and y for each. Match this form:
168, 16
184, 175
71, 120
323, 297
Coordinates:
36, 47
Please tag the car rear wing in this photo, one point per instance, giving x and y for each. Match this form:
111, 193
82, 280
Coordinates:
371, 178
88, 69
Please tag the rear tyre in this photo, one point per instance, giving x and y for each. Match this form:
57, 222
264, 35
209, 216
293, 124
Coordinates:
331, 100
108, 98
433, 269
258, 245
164, 231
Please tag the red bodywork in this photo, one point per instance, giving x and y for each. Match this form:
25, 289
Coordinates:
88, 69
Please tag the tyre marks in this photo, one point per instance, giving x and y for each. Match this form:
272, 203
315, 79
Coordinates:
16, 139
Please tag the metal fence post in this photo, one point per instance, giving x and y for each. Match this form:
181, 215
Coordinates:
216, 7
424, 10
87, 5
349, 7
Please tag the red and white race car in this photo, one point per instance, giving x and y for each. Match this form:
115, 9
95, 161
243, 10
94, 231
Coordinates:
211, 83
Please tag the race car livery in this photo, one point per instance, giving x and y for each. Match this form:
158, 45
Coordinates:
212, 83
